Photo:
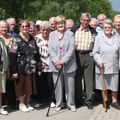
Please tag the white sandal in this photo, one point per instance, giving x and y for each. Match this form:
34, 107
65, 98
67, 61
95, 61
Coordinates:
3, 112
23, 108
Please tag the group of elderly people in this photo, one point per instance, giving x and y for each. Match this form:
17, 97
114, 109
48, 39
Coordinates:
56, 52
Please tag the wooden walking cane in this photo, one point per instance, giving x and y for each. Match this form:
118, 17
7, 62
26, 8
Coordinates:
103, 88
47, 114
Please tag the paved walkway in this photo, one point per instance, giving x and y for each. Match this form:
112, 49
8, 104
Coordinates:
98, 113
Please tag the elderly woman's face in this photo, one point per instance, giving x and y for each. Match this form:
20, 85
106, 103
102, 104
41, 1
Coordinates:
53, 25
3, 28
24, 28
32, 30
107, 29
61, 26
93, 23
117, 23
45, 32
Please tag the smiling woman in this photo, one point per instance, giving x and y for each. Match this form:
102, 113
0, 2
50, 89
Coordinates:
60, 23
108, 27
106, 53
62, 53
7, 45
44, 82
26, 65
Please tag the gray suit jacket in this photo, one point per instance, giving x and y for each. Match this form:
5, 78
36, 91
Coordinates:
107, 51
68, 51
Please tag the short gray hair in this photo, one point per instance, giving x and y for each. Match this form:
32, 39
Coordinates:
101, 15
45, 24
32, 23
85, 15
116, 17
10, 19
4, 22
70, 20
108, 21
94, 19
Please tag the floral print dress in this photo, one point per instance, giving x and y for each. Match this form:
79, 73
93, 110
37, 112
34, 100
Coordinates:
27, 57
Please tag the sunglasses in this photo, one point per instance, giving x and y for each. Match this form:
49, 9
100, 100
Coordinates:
25, 26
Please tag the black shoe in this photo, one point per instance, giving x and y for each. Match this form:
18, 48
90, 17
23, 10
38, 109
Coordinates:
107, 105
89, 106
79, 104
116, 105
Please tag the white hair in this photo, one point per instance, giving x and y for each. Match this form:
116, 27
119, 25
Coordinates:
101, 15
11, 19
4, 22
38, 22
70, 20
94, 19
45, 24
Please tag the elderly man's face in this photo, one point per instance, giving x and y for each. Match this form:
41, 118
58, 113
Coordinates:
85, 22
12, 25
101, 20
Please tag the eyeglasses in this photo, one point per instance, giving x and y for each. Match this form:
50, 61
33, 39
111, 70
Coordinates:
117, 22
107, 27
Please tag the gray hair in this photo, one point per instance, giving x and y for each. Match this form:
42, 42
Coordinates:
85, 15
32, 23
4, 22
116, 17
94, 19
70, 20
108, 21
10, 19
93, 22
45, 24
101, 15
38, 22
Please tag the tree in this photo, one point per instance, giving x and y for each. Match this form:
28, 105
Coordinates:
44, 9
96, 7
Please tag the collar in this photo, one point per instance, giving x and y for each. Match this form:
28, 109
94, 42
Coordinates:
116, 32
85, 30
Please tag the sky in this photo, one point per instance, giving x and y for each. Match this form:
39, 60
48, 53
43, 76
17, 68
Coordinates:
115, 5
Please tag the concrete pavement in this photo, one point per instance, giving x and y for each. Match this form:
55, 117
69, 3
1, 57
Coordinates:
82, 113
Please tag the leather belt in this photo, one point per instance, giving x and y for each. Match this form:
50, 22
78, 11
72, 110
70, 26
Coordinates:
84, 51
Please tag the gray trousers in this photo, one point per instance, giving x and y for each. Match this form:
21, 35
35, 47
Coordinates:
85, 70
66, 80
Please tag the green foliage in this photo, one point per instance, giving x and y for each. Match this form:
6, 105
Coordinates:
2, 13
96, 7
48, 10
44, 9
